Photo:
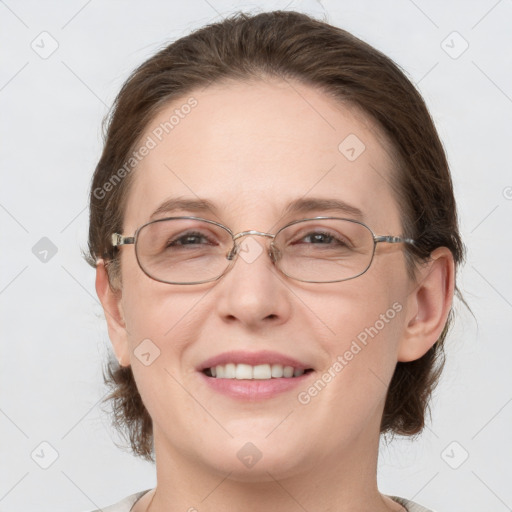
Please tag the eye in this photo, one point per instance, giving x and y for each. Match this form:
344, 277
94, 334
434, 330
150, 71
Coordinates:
323, 237
190, 238
326, 238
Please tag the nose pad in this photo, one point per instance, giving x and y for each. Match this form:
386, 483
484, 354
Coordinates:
274, 253
232, 252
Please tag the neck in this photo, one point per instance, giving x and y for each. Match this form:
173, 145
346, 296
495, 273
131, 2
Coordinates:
342, 480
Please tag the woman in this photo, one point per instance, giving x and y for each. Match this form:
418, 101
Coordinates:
275, 240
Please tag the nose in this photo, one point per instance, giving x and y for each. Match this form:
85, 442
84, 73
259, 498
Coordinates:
253, 292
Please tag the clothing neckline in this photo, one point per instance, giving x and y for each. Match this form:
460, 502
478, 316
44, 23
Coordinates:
396, 499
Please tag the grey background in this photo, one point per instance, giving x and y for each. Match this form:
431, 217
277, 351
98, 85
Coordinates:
54, 338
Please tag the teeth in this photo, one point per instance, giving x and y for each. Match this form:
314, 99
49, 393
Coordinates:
258, 372
262, 371
230, 371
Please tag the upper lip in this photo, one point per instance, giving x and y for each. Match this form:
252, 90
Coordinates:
252, 358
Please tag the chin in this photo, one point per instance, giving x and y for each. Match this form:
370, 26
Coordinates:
256, 459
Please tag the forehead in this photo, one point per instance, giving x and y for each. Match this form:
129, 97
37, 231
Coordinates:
250, 149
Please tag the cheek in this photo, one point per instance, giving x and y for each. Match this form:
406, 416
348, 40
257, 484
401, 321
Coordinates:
364, 322
152, 309
169, 322
366, 337
350, 390
362, 309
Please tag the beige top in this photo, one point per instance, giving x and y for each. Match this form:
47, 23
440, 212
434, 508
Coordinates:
127, 504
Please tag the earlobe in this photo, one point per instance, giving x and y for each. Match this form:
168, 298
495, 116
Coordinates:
428, 305
114, 315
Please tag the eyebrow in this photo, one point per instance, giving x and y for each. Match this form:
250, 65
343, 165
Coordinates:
307, 205
301, 205
178, 203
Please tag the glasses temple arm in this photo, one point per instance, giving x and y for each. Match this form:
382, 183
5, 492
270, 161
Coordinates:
118, 239
393, 239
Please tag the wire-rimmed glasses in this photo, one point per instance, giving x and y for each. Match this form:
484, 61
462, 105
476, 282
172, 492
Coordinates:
193, 250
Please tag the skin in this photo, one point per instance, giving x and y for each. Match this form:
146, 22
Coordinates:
251, 148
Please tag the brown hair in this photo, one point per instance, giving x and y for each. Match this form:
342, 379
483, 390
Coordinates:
285, 44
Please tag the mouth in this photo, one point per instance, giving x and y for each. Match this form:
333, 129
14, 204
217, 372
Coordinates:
253, 376
264, 371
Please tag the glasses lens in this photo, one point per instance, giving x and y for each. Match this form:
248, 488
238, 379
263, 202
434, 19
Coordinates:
183, 251
325, 250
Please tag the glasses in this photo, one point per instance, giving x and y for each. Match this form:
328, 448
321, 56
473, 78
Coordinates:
192, 250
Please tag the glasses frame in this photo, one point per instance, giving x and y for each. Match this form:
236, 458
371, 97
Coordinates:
120, 240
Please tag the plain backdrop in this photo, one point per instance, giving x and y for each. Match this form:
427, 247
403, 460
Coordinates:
62, 64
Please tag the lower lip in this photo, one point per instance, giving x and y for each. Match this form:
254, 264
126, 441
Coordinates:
254, 389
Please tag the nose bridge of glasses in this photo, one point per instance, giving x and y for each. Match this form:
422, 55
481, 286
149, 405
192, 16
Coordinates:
252, 232
247, 233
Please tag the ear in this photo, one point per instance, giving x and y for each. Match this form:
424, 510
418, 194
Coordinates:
428, 305
111, 301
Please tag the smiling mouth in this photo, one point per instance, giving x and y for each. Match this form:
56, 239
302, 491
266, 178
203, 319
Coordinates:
256, 372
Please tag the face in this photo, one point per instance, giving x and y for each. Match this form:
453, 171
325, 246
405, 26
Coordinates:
250, 150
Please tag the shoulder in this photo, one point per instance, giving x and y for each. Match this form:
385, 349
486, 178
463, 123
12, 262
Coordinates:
411, 506
124, 505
